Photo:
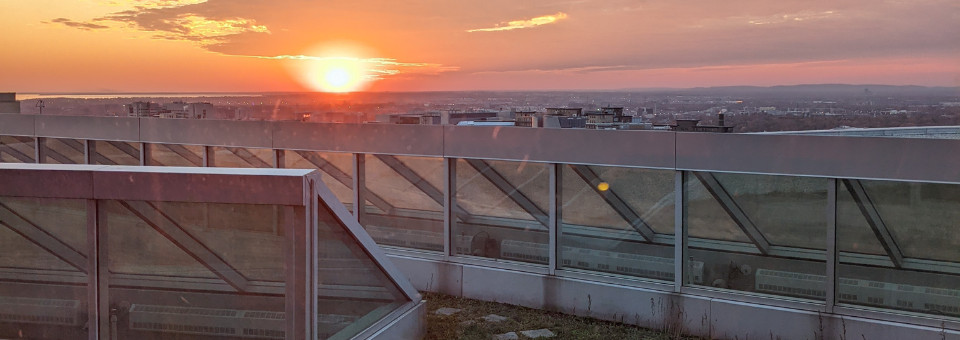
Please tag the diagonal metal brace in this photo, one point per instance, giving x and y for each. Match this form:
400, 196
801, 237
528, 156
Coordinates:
870, 213
511, 191
733, 209
180, 237
16, 153
185, 153
36, 235
614, 201
249, 157
419, 182
337, 174
126, 148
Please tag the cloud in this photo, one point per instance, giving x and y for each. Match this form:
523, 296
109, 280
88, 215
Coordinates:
517, 24
77, 24
185, 25
789, 17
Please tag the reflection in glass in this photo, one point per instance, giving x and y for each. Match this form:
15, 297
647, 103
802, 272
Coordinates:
404, 201
504, 210
16, 149
43, 268
897, 245
614, 220
353, 292
174, 155
337, 170
62, 151
758, 233
198, 271
116, 153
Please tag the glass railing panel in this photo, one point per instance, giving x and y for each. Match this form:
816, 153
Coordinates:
898, 246
757, 233
16, 149
62, 151
504, 210
175, 155
183, 270
43, 268
353, 291
116, 153
617, 220
337, 170
405, 201
233, 157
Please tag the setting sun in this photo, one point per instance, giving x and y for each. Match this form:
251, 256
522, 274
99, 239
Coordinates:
337, 75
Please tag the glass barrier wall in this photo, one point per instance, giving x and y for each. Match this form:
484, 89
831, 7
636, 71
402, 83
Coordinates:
617, 220
174, 155
208, 270
757, 233
352, 290
115, 153
337, 170
898, 245
502, 210
61, 151
43, 268
231, 157
404, 201
16, 149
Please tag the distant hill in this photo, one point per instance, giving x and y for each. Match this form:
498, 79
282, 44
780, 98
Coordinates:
824, 89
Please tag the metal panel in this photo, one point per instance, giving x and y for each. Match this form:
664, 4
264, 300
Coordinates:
86, 127
257, 134
858, 157
213, 185
46, 180
418, 140
653, 149
17, 125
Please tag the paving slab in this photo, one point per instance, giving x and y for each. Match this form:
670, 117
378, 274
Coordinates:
495, 318
447, 311
507, 336
538, 333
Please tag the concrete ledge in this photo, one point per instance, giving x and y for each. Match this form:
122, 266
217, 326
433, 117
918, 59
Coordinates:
703, 316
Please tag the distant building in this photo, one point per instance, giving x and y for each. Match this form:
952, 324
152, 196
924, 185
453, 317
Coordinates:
441, 118
170, 110
693, 125
9, 103
564, 111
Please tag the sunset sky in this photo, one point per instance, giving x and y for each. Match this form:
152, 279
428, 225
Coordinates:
438, 45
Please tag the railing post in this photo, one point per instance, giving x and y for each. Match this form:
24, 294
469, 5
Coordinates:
145, 154
279, 158
554, 216
93, 296
89, 150
449, 205
832, 252
297, 282
38, 151
359, 186
680, 233
100, 281
208, 156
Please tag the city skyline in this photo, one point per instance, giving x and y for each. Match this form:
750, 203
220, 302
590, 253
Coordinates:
295, 45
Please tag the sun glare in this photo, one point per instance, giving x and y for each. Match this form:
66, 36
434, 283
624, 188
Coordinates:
335, 67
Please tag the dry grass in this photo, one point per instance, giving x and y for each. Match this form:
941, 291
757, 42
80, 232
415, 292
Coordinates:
459, 326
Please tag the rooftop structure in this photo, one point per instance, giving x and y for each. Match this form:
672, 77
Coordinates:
9, 103
751, 235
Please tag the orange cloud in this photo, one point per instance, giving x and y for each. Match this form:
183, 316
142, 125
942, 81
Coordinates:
517, 24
